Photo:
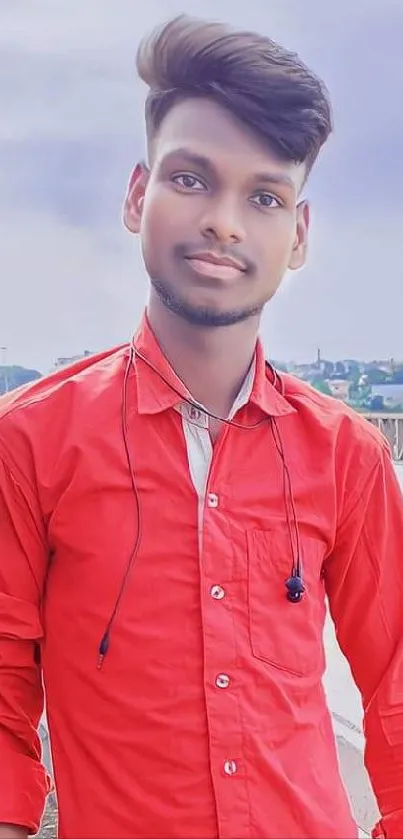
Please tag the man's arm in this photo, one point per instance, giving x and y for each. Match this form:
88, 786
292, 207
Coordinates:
364, 581
23, 562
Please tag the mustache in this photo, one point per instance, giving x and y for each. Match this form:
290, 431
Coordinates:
184, 251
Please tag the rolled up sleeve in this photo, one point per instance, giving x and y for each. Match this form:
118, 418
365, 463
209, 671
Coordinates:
24, 783
364, 580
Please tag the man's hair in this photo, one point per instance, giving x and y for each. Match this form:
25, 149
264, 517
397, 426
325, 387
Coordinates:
266, 86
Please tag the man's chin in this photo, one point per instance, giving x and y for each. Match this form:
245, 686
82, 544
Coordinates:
201, 312
207, 316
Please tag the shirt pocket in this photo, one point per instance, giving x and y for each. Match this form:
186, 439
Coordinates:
285, 635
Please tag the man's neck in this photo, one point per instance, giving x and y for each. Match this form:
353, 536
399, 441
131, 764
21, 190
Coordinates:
212, 362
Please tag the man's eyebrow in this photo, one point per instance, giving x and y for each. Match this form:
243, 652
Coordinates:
194, 159
276, 178
200, 161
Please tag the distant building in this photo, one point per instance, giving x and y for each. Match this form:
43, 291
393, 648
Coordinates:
339, 388
64, 361
385, 366
391, 395
353, 364
307, 372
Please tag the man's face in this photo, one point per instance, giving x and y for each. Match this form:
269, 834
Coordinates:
217, 214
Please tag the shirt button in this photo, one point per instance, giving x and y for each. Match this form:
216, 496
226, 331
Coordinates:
212, 500
194, 413
217, 592
222, 680
230, 767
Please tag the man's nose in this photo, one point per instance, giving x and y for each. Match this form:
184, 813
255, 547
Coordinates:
222, 221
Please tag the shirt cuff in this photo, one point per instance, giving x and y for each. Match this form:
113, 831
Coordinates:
24, 785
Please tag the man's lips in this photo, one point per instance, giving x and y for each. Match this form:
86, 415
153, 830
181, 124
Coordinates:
212, 265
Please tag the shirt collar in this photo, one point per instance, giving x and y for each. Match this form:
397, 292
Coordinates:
161, 388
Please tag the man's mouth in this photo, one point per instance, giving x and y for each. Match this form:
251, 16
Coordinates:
209, 264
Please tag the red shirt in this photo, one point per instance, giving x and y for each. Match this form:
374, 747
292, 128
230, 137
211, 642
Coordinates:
208, 717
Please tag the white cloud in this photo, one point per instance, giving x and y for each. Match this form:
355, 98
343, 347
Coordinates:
70, 290
68, 86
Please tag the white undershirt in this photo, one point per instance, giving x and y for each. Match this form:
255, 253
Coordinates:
195, 422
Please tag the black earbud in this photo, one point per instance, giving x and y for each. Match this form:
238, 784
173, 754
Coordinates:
295, 588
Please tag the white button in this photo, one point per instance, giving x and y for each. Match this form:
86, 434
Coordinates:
212, 500
217, 592
230, 767
222, 680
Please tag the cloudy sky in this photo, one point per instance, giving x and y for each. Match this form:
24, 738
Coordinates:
71, 128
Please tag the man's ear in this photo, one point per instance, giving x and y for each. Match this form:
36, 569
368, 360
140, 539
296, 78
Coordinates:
133, 205
298, 253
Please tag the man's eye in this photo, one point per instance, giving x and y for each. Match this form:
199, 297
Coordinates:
265, 199
188, 182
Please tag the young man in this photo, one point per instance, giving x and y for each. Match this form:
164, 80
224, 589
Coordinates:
173, 513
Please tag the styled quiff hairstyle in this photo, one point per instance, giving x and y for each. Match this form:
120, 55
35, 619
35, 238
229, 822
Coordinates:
264, 85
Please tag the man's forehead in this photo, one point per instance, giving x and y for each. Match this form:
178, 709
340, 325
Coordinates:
204, 120
203, 131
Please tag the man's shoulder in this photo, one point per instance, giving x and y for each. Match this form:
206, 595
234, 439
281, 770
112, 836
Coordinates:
82, 379
333, 417
64, 406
